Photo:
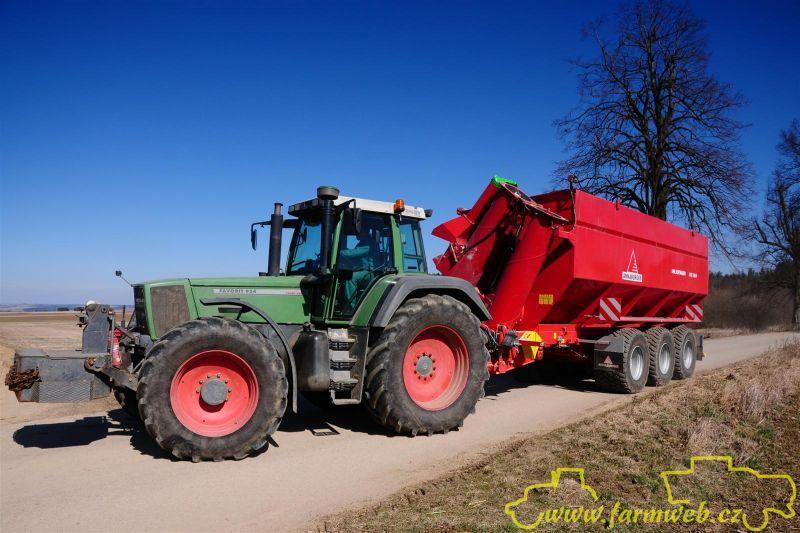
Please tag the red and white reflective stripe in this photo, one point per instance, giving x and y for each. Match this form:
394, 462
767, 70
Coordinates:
694, 312
610, 309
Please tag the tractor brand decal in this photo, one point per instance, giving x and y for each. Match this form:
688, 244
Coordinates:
545, 299
567, 500
632, 274
258, 292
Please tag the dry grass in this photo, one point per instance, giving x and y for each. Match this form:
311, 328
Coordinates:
749, 411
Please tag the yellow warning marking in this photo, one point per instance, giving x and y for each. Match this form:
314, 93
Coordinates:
545, 299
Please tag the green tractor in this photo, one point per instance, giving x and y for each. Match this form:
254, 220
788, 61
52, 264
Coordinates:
210, 365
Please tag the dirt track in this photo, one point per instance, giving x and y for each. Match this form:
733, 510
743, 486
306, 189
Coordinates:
94, 469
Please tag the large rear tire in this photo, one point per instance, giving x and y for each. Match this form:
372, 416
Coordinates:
426, 372
662, 359
212, 388
685, 350
632, 377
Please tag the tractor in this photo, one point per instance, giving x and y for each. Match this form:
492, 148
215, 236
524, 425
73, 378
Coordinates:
210, 365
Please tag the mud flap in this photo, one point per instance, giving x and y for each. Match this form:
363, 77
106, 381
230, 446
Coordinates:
608, 353
700, 353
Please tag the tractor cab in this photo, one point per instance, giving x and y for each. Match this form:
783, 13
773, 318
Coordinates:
341, 246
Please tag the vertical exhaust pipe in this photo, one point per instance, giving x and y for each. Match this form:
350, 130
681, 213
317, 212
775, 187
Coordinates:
275, 237
327, 195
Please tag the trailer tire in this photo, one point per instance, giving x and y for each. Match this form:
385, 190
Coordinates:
402, 389
662, 358
126, 399
632, 377
231, 425
685, 351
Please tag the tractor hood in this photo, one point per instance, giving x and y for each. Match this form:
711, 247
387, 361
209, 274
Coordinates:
164, 304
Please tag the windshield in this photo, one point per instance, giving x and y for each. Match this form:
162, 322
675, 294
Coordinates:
304, 252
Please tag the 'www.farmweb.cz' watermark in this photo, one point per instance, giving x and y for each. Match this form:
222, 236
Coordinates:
682, 512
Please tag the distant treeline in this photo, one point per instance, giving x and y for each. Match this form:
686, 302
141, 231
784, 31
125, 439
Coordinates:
747, 301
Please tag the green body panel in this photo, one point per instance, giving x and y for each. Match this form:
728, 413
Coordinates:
280, 296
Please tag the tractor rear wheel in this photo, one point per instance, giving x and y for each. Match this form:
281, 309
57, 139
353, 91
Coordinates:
632, 377
685, 351
426, 372
662, 360
212, 388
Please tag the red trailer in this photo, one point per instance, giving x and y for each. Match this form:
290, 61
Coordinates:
569, 274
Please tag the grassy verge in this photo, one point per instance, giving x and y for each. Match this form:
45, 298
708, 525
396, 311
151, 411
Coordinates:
750, 411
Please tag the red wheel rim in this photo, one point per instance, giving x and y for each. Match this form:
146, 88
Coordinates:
435, 368
221, 372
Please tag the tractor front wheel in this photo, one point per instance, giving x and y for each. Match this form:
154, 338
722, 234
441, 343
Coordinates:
426, 372
212, 388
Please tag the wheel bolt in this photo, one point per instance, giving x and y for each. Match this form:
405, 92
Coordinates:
229, 390
197, 391
218, 374
201, 382
208, 375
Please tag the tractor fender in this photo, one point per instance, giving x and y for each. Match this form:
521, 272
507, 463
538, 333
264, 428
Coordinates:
282, 344
405, 287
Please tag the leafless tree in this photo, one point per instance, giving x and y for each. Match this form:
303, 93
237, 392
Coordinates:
777, 232
653, 128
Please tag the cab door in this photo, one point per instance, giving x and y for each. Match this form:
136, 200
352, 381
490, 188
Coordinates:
362, 258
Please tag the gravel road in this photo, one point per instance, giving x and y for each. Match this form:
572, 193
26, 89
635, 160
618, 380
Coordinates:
95, 470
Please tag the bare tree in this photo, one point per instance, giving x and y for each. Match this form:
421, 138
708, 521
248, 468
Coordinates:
777, 232
653, 127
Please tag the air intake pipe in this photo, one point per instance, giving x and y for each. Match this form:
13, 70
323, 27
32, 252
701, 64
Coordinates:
275, 237
327, 195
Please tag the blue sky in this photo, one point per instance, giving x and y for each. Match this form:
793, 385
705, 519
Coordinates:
147, 136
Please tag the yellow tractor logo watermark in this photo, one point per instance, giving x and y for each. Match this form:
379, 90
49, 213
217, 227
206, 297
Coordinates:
590, 512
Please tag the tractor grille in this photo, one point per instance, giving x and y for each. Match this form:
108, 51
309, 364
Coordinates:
139, 309
169, 307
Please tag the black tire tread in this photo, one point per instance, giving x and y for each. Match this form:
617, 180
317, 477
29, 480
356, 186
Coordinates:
378, 403
152, 422
616, 380
654, 336
678, 335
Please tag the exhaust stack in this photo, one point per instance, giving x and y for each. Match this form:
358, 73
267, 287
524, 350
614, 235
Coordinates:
327, 195
275, 238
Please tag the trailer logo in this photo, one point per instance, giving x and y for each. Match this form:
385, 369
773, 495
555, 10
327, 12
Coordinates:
632, 274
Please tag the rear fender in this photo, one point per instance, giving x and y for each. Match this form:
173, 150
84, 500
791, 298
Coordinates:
405, 287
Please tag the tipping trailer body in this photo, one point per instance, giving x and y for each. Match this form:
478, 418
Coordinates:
565, 268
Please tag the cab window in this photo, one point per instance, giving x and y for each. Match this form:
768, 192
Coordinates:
413, 251
361, 260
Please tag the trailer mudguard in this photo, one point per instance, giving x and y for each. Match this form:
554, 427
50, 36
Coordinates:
405, 287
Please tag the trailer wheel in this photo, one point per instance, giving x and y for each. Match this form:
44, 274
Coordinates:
426, 372
126, 399
685, 350
212, 388
662, 359
632, 377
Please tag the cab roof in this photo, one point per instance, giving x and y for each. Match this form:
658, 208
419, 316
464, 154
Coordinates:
374, 206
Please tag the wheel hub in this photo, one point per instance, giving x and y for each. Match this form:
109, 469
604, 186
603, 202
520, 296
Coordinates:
424, 365
214, 392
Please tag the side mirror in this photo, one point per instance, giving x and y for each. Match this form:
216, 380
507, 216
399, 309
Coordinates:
351, 223
253, 236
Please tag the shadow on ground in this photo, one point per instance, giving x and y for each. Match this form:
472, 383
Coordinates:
319, 422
